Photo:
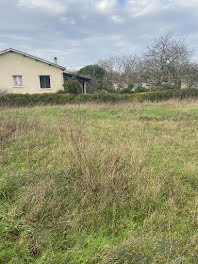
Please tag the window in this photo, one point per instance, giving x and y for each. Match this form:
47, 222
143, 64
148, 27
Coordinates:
45, 82
17, 80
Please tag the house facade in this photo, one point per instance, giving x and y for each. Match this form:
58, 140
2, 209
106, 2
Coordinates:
23, 73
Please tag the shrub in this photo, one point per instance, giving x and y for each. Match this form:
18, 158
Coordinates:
61, 99
128, 90
72, 86
3, 91
162, 88
140, 89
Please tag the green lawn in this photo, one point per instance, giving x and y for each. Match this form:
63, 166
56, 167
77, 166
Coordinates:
99, 183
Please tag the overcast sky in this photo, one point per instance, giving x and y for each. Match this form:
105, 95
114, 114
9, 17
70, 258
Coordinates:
79, 32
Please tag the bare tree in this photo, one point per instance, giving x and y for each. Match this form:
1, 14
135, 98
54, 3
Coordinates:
113, 69
166, 57
190, 75
121, 70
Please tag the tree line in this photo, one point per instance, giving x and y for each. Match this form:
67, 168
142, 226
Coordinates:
166, 63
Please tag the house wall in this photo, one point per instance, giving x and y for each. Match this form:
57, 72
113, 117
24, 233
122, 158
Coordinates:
16, 64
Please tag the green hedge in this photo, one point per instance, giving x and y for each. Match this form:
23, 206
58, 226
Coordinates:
59, 99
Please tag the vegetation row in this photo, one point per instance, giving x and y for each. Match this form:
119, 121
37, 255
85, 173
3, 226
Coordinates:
61, 99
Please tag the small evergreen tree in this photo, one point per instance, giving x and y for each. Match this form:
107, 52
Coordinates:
72, 86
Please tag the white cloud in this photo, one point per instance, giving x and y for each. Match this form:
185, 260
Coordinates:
186, 3
79, 32
53, 6
105, 5
117, 19
142, 7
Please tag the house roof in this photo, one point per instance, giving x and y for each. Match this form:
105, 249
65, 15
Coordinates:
32, 57
80, 78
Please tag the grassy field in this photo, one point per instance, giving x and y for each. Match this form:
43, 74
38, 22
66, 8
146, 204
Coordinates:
99, 184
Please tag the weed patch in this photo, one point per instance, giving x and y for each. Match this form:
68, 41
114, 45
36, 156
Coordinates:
99, 183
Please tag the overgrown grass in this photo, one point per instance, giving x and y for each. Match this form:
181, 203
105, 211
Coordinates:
99, 183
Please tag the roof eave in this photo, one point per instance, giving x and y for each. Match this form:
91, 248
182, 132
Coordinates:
32, 57
77, 76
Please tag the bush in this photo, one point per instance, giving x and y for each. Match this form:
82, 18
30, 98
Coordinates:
141, 89
162, 88
128, 89
61, 99
72, 86
35, 99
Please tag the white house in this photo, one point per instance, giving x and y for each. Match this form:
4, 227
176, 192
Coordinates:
23, 73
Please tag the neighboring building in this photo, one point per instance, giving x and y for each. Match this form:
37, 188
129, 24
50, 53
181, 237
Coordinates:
23, 73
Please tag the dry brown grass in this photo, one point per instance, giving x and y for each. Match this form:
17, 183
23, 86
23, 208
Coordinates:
11, 127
